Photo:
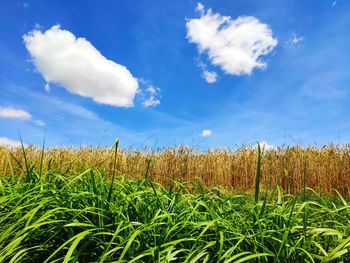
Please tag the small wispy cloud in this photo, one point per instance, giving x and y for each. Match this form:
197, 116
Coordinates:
24, 5
264, 145
294, 40
297, 40
200, 8
40, 123
47, 87
152, 95
206, 133
7, 142
209, 76
13, 113
38, 26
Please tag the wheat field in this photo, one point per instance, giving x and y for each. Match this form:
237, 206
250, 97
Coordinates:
174, 205
325, 168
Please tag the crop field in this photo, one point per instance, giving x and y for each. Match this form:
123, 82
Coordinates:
325, 168
175, 205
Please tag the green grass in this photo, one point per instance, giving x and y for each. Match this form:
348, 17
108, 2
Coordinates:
92, 217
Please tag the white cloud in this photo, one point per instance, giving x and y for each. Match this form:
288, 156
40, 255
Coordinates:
75, 64
200, 7
37, 26
4, 141
295, 40
153, 97
39, 122
210, 76
25, 5
234, 45
206, 133
265, 146
152, 90
151, 102
47, 87
12, 113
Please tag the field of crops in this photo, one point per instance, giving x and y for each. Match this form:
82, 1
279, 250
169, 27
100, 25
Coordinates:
325, 168
174, 205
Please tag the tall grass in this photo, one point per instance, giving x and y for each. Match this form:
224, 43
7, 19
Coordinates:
71, 213
327, 168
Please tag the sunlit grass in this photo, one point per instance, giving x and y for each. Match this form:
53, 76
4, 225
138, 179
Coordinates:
327, 168
102, 215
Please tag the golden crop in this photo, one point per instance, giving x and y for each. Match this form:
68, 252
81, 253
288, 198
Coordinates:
326, 168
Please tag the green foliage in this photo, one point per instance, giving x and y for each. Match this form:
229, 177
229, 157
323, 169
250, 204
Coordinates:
98, 217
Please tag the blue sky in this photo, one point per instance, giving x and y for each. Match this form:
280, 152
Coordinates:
163, 73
